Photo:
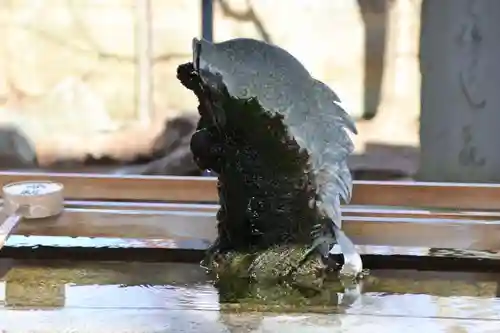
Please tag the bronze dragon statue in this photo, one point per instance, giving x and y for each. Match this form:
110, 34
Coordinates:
277, 139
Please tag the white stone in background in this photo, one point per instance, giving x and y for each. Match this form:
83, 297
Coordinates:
326, 36
74, 105
81, 40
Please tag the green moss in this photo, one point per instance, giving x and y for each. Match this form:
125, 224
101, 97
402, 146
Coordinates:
245, 295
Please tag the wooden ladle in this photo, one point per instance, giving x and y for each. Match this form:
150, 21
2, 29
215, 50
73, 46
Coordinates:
29, 200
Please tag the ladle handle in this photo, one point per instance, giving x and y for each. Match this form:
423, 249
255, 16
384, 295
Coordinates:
7, 227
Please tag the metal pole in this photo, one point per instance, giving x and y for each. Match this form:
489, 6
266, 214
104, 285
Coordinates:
207, 20
144, 68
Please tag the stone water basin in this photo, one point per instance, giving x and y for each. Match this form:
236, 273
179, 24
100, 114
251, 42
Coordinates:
59, 296
65, 296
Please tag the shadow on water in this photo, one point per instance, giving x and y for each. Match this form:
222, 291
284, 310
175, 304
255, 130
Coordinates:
57, 296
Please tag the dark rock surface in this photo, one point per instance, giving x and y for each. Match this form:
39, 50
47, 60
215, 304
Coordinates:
16, 149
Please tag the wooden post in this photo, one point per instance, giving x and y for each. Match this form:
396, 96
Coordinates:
460, 118
144, 65
397, 114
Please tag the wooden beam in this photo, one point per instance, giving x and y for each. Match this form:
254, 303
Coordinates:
429, 195
144, 205
419, 213
134, 188
374, 257
177, 225
142, 224
203, 190
347, 210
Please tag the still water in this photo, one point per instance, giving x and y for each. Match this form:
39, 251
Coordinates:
95, 297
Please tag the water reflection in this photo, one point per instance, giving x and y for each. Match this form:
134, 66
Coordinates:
153, 297
159, 297
174, 297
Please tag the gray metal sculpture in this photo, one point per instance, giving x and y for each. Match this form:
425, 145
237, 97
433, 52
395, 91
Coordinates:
277, 139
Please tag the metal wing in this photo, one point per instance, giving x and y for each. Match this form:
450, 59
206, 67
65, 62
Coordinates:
321, 126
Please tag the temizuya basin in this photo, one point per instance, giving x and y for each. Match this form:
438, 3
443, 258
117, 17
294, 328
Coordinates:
167, 297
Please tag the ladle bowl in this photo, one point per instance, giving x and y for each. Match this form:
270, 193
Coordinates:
29, 200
